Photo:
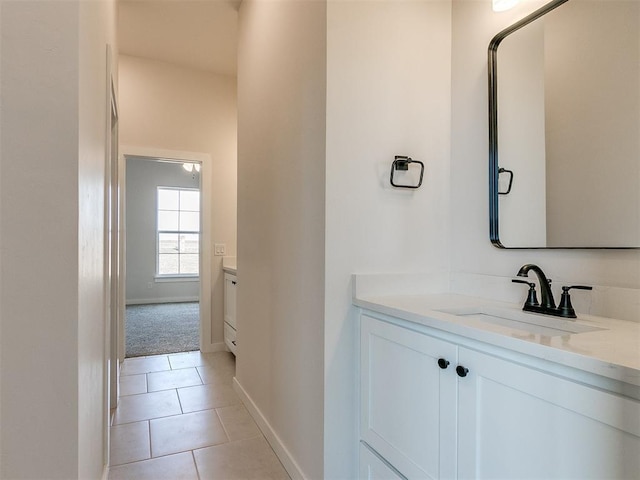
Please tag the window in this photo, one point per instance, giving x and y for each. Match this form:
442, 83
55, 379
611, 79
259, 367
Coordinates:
178, 231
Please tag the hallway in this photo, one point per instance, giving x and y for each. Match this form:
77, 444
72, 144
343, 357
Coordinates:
179, 418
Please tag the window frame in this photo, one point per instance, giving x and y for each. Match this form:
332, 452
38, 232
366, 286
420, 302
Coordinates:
184, 277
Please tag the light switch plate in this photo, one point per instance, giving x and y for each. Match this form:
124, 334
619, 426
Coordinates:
219, 249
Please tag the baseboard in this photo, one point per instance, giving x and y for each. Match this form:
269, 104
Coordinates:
149, 301
290, 465
214, 347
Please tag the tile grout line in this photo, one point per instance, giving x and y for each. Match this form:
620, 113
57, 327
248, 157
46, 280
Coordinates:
193, 456
153, 418
199, 375
179, 401
224, 429
162, 456
150, 446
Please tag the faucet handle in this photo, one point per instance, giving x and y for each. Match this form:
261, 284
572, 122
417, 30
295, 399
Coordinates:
532, 298
578, 287
565, 308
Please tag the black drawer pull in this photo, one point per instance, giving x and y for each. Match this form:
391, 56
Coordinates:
234, 342
462, 371
443, 363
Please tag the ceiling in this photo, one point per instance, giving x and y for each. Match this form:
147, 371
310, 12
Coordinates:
200, 34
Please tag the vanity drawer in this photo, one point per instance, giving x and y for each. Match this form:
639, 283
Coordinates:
230, 337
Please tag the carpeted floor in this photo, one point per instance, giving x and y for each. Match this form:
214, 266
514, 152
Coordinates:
162, 328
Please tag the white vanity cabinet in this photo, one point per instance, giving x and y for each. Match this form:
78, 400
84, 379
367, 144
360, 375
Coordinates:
373, 467
407, 401
501, 419
230, 286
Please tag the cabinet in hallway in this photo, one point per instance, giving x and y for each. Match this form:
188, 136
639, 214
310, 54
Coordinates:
230, 324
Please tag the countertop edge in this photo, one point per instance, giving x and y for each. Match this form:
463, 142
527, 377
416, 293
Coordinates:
594, 364
230, 265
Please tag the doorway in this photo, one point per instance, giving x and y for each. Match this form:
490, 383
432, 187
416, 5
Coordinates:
167, 267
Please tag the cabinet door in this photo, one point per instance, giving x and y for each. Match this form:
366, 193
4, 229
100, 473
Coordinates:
407, 400
373, 468
230, 338
516, 422
230, 284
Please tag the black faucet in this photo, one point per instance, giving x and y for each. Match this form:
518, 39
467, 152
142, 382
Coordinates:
548, 305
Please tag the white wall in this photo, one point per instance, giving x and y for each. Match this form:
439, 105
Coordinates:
281, 152
388, 93
163, 106
143, 179
302, 235
52, 299
39, 290
474, 24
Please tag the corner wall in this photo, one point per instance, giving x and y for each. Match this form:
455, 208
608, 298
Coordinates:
52, 164
39, 228
281, 189
387, 69
388, 93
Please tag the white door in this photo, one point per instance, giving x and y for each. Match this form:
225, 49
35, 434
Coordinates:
407, 400
516, 422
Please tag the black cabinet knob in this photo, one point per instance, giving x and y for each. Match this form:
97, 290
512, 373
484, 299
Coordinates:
462, 371
443, 363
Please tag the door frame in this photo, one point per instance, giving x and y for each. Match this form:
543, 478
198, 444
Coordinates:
204, 159
113, 245
111, 273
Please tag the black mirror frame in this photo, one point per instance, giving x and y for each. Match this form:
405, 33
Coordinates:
493, 119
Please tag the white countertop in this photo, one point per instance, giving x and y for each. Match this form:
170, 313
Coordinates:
229, 265
612, 352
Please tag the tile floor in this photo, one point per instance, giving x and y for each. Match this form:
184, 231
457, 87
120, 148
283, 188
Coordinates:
179, 418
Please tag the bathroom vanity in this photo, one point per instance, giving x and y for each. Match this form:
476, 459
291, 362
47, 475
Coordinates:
453, 386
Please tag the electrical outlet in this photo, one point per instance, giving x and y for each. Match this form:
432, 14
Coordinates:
219, 249
149, 285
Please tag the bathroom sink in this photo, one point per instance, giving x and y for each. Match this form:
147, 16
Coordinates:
528, 322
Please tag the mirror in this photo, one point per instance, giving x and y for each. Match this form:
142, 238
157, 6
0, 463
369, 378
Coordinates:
564, 127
